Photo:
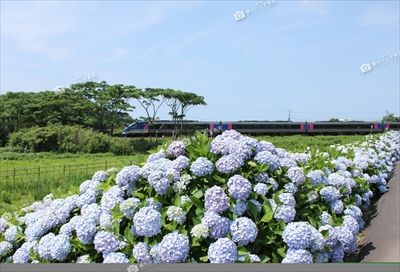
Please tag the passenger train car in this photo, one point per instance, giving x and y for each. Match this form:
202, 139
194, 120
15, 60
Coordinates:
141, 128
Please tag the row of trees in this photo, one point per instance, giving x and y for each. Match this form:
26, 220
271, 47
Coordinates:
96, 105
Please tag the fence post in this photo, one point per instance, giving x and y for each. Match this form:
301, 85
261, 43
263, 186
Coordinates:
106, 165
86, 170
38, 173
64, 170
14, 176
130, 162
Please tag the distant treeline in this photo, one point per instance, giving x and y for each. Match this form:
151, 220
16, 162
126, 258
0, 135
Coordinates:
95, 105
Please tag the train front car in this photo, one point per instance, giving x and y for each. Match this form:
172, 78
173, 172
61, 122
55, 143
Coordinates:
139, 128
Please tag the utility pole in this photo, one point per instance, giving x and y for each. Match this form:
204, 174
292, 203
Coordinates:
289, 116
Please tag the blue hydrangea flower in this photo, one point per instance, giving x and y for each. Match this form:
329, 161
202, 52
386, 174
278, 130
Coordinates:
239, 187
316, 177
105, 220
256, 204
176, 214
222, 251
200, 231
261, 189
345, 237
298, 235
351, 224
261, 178
336, 180
11, 234
176, 149
202, 167
155, 156
287, 162
229, 163
3, 225
174, 248
106, 242
84, 259
290, 188
100, 176
146, 222
127, 175
60, 247
287, 199
239, 208
337, 254
128, 207
216, 199
269, 159
321, 257
21, 255
91, 212
85, 230
329, 193
243, 231
353, 211
336, 206
325, 218
45, 245
274, 184
111, 198
141, 252
5, 247
298, 256
296, 175
218, 225
253, 258
285, 213
159, 182
115, 258
180, 163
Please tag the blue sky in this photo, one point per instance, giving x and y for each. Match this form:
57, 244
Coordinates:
298, 55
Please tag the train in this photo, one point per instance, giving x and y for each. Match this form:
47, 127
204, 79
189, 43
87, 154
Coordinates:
141, 128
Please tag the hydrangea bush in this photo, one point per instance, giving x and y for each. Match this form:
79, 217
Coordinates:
232, 199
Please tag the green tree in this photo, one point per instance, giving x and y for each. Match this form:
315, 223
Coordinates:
390, 118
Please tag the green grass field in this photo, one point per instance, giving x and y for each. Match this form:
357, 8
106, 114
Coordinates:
38, 174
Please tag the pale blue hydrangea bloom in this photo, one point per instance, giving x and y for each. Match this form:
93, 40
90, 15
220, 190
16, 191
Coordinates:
243, 231
202, 167
127, 175
274, 184
269, 159
296, 175
298, 256
351, 224
287, 199
105, 220
325, 218
316, 177
11, 234
222, 251
45, 245
336, 206
159, 182
329, 193
83, 259
100, 176
261, 189
285, 213
106, 242
5, 247
261, 178
146, 222
111, 198
180, 163
176, 214
229, 163
239, 187
216, 199
115, 258
353, 211
176, 149
60, 247
141, 252
298, 235
321, 257
253, 258
218, 225
291, 188
3, 225
128, 207
239, 208
174, 248
337, 254
85, 230
91, 212
21, 255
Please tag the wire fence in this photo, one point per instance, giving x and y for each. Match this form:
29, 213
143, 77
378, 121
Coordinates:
64, 169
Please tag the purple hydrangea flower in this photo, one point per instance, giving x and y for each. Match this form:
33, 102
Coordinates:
180, 163
176, 149
218, 225
106, 242
216, 199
